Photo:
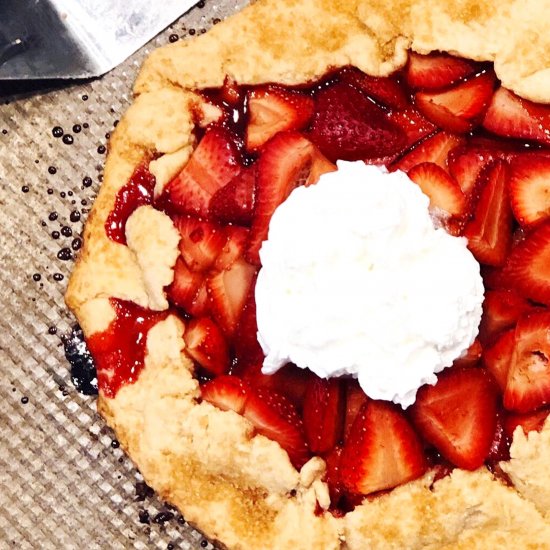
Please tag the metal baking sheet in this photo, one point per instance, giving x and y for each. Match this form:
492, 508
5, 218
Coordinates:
77, 38
64, 482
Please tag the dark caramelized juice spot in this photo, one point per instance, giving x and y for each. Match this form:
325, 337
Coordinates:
119, 351
137, 192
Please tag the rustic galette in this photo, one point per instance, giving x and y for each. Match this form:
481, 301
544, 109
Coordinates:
316, 279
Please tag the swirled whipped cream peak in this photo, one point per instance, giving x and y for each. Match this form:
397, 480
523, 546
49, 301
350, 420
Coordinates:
357, 280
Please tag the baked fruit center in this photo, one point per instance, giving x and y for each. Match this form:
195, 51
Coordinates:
480, 155
360, 241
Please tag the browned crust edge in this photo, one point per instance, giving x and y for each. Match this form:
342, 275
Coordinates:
264, 43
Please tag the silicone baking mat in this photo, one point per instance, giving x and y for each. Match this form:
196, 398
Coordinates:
64, 482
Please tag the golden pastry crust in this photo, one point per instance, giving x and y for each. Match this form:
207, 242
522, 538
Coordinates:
249, 495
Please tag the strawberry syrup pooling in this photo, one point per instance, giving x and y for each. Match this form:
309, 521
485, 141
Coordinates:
462, 139
119, 351
137, 192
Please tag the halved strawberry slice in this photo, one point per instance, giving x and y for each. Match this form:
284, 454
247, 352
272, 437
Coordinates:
275, 417
228, 393
382, 450
274, 109
387, 91
459, 108
287, 161
530, 189
234, 247
467, 162
495, 278
355, 399
201, 241
529, 422
436, 70
206, 344
245, 342
497, 358
528, 266
227, 292
212, 165
289, 381
347, 125
501, 310
458, 415
432, 149
511, 116
528, 384
489, 233
185, 290
334, 476
443, 191
471, 357
323, 413
234, 202
271, 414
500, 446
414, 125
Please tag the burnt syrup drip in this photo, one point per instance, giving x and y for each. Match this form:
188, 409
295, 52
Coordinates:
83, 371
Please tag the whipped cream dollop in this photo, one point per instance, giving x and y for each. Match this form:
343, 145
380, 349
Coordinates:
357, 280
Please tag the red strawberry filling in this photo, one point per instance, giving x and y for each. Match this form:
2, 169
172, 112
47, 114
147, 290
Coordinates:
447, 123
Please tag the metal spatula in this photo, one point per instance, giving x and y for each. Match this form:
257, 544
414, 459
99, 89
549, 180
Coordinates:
42, 39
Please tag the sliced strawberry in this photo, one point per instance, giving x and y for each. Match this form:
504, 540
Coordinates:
529, 422
414, 125
323, 413
387, 91
334, 475
501, 310
436, 70
530, 189
511, 116
228, 393
212, 165
471, 357
461, 107
382, 450
348, 125
443, 191
528, 384
355, 399
500, 446
227, 292
201, 241
489, 233
274, 109
271, 414
319, 165
245, 342
458, 415
432, 149
289, 381
528, 266
185, 288
467, 162
275, 417
200, 305
287, 161
234, 202
498, 357
206, 344
234, 247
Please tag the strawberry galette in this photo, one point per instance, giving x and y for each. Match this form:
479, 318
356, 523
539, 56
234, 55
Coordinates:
316, 280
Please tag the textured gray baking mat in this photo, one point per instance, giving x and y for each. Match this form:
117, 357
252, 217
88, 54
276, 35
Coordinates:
64, 482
